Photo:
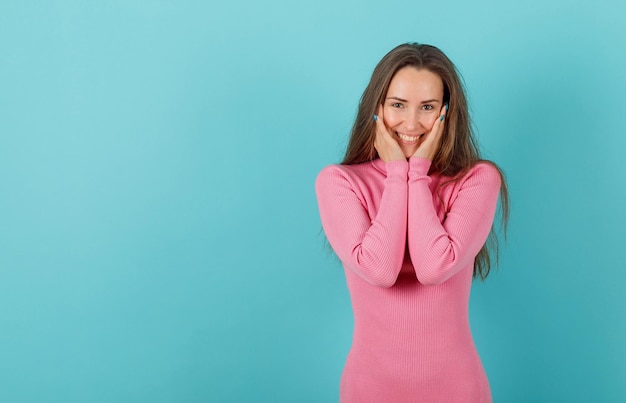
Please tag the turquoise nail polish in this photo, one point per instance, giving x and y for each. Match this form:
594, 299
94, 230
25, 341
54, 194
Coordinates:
447, 106
375, 118
442, 118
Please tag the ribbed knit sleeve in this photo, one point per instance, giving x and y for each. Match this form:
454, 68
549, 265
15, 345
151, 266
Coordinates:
438, 249
373, 248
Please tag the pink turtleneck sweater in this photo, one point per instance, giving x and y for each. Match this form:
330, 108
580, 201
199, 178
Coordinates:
408, 261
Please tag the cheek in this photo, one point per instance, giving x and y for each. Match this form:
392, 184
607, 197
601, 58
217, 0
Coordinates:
429, 120
391, 118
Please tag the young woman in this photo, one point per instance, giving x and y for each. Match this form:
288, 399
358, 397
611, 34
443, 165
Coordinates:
408, 212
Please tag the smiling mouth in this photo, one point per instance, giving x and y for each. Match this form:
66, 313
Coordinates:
408, 139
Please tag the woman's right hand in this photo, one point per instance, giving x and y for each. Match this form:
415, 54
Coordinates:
387, 146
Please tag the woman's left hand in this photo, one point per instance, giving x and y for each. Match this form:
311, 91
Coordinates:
432, 140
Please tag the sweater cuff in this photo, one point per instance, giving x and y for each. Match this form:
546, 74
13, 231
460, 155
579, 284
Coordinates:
397, 168
419, 166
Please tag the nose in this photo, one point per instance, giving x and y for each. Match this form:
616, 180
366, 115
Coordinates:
412, 120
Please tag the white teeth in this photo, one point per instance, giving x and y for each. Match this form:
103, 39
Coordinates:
410, 139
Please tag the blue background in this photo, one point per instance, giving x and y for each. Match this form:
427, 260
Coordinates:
159, 234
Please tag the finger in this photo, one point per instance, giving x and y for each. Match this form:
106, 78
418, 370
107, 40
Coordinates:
443, 112
378, 119
381, 129
437, 128
384, 142
378, 114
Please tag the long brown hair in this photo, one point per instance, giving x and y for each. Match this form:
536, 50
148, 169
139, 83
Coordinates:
458, 151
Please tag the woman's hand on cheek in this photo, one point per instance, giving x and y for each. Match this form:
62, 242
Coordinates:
387, 147
432, 140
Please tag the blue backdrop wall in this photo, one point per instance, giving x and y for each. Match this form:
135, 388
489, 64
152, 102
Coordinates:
159, 235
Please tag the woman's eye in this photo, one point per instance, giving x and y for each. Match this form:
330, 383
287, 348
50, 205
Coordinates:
396, 105
427, 107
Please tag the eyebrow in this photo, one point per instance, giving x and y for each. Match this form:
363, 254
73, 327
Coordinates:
428, 101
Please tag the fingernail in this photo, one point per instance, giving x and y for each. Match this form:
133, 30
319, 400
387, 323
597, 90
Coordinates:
375, 118
442, 118
447, 106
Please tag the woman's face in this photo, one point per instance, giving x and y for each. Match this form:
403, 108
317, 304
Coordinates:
413, 102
